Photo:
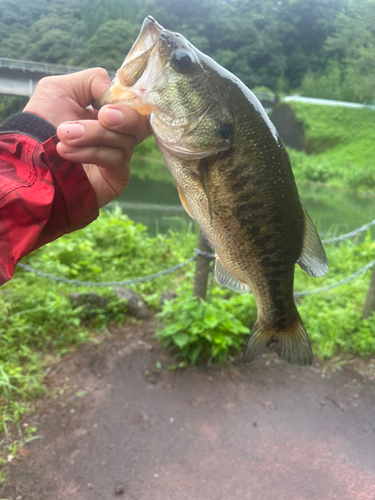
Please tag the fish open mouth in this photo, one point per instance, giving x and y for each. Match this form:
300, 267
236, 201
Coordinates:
122, 90
146, 40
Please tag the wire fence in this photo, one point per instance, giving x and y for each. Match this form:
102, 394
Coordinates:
103, 284
351, 234
208, 255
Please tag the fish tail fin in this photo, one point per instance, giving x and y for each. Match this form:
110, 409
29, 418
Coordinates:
292, 345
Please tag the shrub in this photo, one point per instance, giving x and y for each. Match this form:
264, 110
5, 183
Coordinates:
200, 330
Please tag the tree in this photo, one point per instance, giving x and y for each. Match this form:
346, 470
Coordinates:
14, 46
354, 39
109, 45
99, 12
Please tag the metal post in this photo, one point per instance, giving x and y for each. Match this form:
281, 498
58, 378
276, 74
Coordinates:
202, 268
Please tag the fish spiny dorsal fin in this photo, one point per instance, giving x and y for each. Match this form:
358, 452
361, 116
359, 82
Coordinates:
313, 259
224, 277
291, 345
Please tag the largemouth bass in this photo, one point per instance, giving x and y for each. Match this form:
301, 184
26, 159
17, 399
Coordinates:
233, 176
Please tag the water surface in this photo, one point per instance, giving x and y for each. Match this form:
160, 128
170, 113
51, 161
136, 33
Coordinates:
156, 204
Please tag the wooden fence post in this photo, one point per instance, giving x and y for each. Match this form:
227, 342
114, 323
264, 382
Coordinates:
369, 306
202, 268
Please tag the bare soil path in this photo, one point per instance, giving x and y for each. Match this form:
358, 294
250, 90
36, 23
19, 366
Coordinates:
258, 432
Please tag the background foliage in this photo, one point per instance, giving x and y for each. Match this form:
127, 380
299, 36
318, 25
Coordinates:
324, 48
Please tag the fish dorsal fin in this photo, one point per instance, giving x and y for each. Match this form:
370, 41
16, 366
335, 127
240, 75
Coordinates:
313, 259
224, 277
184, 202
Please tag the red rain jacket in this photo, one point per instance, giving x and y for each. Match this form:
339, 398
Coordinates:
42, 196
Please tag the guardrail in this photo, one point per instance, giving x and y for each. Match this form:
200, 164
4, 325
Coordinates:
327, 102
266, 96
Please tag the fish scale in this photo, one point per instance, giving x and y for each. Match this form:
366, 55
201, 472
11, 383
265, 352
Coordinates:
233, 176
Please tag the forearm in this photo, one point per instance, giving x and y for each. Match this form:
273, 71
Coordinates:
42, 196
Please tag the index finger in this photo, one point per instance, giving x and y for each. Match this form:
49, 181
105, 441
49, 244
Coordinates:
121, 118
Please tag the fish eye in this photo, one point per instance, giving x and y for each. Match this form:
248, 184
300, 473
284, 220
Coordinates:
182, 61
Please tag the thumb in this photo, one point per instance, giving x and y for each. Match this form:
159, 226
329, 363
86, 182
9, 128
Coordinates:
88, 84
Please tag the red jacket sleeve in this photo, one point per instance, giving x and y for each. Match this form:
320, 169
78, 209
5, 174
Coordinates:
42, 196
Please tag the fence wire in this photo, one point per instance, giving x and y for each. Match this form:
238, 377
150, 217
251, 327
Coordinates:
337, 283
103, 284
208, 255
346, 236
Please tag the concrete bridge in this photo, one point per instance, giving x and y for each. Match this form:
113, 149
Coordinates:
19, 77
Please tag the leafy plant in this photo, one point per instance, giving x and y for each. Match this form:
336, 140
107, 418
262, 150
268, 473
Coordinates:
201, 330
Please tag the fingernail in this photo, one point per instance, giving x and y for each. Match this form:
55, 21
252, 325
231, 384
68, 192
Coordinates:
72, 130
113, 116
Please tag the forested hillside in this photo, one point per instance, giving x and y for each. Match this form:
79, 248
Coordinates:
322, 48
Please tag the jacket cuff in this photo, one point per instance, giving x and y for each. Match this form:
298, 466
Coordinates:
74, 205
28, 124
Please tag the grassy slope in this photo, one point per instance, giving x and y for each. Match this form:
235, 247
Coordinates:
342, 146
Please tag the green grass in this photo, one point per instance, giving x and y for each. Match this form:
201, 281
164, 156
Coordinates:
37, 317
341, 146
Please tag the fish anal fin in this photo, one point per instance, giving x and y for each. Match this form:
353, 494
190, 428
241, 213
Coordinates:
313, 259
292, 345
224, 277
184, 202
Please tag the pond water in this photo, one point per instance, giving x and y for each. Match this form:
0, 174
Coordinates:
156, 204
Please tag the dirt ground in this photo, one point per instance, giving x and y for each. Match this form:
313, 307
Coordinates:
263, 431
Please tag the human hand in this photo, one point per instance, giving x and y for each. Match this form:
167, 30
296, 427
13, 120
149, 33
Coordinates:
102, 141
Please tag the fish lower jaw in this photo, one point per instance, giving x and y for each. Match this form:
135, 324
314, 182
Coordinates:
135, 98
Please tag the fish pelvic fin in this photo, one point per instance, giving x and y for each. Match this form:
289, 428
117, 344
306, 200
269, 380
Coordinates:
184, 202
292, 345
313, 259
225, 278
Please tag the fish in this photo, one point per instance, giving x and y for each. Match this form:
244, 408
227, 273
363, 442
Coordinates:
233, 176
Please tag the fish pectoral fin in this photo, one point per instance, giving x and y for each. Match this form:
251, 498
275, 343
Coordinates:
224, 277
205, 188
291, 345
184, 202
313, 259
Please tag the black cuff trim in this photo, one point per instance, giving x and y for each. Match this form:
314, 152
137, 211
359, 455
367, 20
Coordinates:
28, 124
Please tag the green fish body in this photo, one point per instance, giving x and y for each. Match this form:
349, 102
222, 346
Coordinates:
233, 176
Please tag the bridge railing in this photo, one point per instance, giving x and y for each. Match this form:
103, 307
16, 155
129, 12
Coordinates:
40, 67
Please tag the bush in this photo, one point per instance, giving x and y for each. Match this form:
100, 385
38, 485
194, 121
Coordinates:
199, 330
